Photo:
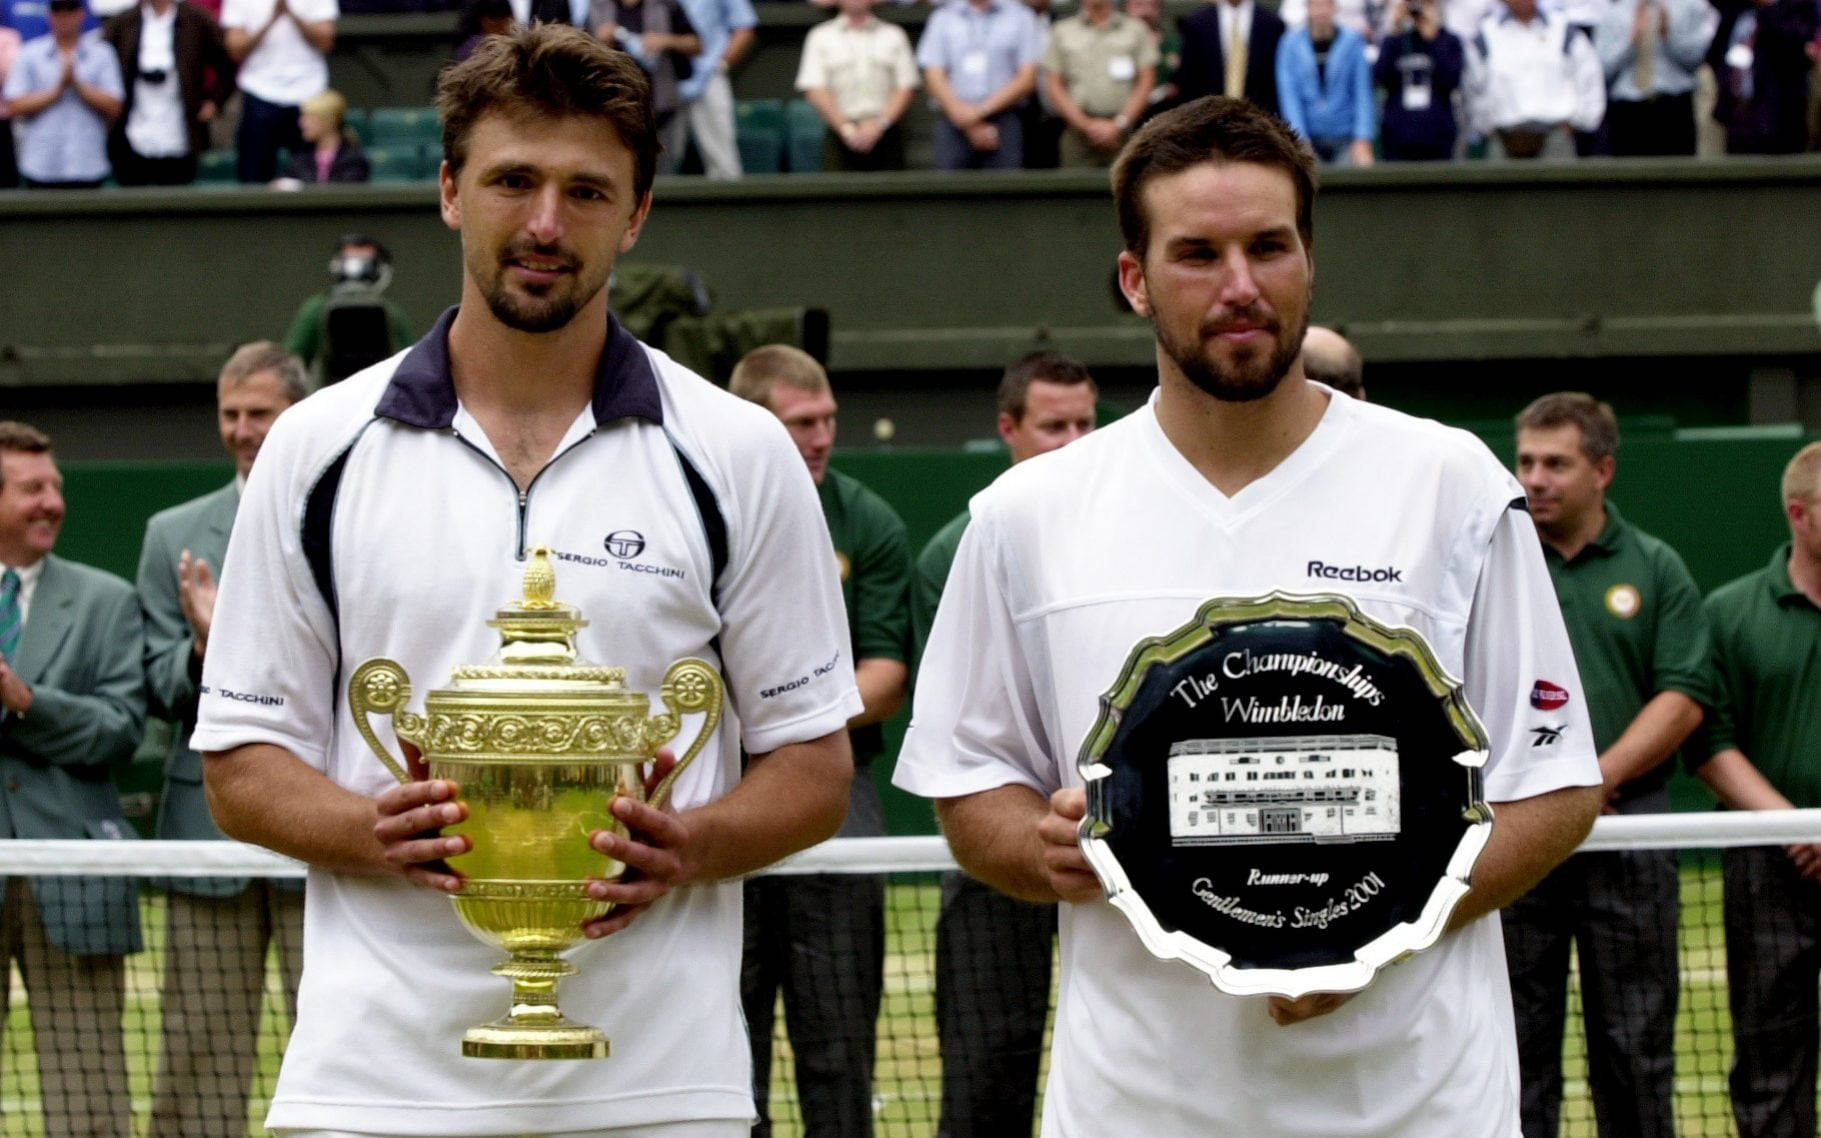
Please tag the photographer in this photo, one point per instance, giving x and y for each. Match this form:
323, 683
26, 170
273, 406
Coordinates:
1419, 66
351, 325
176, 73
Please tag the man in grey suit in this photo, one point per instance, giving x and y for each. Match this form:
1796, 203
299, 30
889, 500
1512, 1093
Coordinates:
72, 705
218, 929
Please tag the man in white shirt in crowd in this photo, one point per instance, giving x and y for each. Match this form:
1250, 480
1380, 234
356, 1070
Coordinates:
1532, 81
282, 48
64, 93
1238, 479
858, 72
176, 73
727, 29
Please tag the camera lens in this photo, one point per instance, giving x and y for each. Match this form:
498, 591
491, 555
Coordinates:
154, 77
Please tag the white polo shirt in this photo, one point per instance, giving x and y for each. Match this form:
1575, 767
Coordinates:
284, 68
382, 493
1071, 560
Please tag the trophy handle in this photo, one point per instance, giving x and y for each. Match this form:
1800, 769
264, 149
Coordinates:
381, 686
689, 685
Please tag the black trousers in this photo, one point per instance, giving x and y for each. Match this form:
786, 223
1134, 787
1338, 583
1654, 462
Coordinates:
1663, 125
1619, 912
993, 956
1773, 959
819, 940
265, 129
130, 169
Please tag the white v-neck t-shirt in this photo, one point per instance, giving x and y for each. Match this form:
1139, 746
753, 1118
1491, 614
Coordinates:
1074, 557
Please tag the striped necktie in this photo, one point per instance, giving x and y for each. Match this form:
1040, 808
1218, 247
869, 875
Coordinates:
12, 620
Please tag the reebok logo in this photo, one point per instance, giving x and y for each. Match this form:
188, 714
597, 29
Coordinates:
1547, 736
1327, 572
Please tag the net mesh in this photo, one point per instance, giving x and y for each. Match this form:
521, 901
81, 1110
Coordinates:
961, 973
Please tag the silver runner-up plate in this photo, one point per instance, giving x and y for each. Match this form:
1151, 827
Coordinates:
1285, 793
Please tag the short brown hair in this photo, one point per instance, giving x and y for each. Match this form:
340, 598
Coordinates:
1210, 129
550, 69
1802, 477
22, 438
1599, 426
1050, 367
763, 368
262, 356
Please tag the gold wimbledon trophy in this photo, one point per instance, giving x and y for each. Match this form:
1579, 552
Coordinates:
539, 744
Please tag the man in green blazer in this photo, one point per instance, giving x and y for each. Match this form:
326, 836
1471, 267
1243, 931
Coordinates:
72, 705
217, 928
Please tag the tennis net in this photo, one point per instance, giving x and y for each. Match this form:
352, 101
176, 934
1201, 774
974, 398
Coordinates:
49, 1072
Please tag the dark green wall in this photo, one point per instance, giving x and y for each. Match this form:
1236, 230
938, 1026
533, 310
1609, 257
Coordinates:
1710, 494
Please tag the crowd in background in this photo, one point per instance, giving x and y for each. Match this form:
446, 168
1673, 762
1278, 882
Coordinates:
1011, 84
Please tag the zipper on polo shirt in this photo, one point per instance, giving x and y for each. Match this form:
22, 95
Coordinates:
524, 496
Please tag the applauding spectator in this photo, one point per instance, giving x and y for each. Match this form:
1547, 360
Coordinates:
64, 93
859, 74
175, 75
1532, 80
1098, 72
1650, 49
331, 153
282, 47
979, 58
9, 53
1761, 60
1324, 86
1419, 66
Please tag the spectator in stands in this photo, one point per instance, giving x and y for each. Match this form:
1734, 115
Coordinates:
979, 60
858, 72
217, 930
1641, 643
1098, 71
175, 74
820, 939
72, 705
1324, 86
482, 18
659, 35
1329, 358
1230, 48
1168, 41
1419, 66
727, 30
368, 327
64, 93
1762, 742
9, 163
1532, 81
282, 47
993, 951
32, 18
331, 152
1761, 62
1650, 50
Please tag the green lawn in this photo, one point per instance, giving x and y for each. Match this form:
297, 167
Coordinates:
908, 1071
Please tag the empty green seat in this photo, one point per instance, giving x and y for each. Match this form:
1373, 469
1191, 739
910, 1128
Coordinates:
759, 130
402, 126
356, 121
393, 163
429, 160
215, 168
804, 128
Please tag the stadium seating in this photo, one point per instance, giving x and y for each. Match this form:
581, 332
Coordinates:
215, 168
804, 128
402, 127
393, 164
759, 128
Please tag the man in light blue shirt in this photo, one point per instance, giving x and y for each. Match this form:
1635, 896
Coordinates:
65, 91
979, 58
1324, 87
726, 28
1650, 50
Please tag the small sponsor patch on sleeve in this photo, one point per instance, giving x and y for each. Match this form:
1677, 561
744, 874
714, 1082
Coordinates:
1547, 696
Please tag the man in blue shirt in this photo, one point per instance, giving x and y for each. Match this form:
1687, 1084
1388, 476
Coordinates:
979, 58
32, 18
64, 91
1324, 87
726, 28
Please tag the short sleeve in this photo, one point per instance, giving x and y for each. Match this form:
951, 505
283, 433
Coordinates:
931, 48
1036, 36
740, 14
1147, 54
904, 66
105, 72
316, 10
975, 721
237, 14
784, 642
1683, 657
880, 620
811, 74
1520, 675
273, 647
1720, 731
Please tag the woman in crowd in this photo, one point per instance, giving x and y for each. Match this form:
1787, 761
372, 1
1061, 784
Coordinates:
333, 155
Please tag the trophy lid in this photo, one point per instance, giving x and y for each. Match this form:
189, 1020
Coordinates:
537, 643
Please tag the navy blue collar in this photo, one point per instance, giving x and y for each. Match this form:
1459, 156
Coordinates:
422, 391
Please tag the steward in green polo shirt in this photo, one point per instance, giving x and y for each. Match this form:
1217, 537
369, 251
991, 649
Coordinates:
1640, 642
993, 951
1765, 740
820, 939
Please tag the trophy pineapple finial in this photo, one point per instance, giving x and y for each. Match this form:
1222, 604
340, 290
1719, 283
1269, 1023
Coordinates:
540, 580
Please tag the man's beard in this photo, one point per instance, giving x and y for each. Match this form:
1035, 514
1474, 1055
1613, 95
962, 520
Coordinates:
1251, 379
533, 313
